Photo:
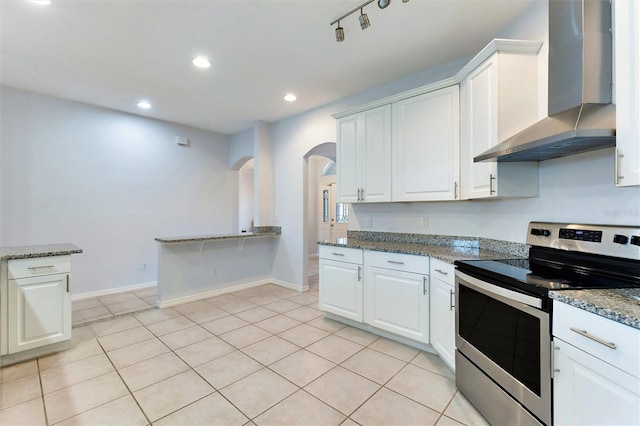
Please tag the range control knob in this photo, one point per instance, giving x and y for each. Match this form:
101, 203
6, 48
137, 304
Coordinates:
538, 231
635, 240
620, 239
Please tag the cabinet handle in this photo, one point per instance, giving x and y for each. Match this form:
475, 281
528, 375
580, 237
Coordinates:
451, 305
338, 254
362, 194
594, 338
424, 285
491, 179
359, 273
455, 190
35, 268
442, 272
395, 262
67, 283
616, 166
358, 197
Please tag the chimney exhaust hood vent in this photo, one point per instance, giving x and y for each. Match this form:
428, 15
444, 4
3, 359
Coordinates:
582, 117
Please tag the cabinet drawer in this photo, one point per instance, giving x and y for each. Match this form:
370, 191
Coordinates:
625, 356
442, 270
398, 262
341, 254
37, 266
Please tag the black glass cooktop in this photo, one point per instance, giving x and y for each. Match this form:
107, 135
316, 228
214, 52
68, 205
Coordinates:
552, 271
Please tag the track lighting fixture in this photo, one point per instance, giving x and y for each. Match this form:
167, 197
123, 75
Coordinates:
339, 33
363, 18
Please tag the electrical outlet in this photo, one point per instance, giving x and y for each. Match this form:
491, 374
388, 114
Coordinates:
145, 265
214, 271
368, 222
424, 222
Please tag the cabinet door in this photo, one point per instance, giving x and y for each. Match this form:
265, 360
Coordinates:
347, 160
480, 129
590, 391
375, 160
39, 311
627, 44
398, 302
425, 146
341, 289
443, 320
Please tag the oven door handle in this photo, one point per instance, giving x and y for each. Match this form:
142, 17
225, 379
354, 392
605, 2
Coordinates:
500, 291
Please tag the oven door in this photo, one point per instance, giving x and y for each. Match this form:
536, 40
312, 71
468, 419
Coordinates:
506, 335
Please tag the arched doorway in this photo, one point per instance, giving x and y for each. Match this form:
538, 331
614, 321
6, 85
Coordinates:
319, 168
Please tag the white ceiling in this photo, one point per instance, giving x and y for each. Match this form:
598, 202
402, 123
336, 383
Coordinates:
112, 53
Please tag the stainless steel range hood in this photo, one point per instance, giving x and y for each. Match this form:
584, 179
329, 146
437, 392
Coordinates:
581, 116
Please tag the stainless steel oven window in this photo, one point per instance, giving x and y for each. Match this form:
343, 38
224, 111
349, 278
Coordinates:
490, 355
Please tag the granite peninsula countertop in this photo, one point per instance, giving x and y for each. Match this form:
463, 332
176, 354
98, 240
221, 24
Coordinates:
258, 232
26, 252
455, 250
621, 304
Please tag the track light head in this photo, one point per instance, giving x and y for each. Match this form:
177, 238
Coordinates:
339, 33
364, 20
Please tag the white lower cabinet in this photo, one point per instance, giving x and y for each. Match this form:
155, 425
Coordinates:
39, 312
442, 311
340, 272
397, 294
596, 362
37, 303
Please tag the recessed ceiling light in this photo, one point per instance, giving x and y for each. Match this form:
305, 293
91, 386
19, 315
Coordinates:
290, 97
144, 105
201, 62
41, 2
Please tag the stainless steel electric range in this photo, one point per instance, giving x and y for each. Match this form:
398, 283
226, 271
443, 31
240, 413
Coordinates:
504, 313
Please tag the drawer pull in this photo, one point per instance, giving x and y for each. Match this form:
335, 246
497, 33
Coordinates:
338, 254
395, 262
442, 272
36, 268
594, 338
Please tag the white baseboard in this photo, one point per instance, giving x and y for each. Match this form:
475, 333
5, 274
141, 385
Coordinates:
212, 293
114, 290
292, 286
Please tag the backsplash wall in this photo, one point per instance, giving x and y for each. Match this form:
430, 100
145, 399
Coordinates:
579, 189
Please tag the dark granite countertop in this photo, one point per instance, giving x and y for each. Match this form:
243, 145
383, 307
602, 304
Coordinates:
464, 250
621, 305
26, 252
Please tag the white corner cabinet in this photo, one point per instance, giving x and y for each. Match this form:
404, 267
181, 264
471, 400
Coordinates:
498, 98
35, 302
627, 68
426, 146
442, 310
596, 362
396, 294
341, 291
364, 156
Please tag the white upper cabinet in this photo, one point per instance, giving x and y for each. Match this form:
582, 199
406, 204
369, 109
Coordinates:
364, 156
498, 98
627, 50
426, 146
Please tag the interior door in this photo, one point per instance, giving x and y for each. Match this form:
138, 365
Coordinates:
333, 219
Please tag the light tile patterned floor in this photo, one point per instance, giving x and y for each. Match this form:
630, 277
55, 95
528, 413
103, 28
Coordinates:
102, 307
233, 360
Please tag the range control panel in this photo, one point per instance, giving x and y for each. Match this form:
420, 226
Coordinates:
607, 240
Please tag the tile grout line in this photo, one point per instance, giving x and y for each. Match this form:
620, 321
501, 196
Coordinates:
44, 405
